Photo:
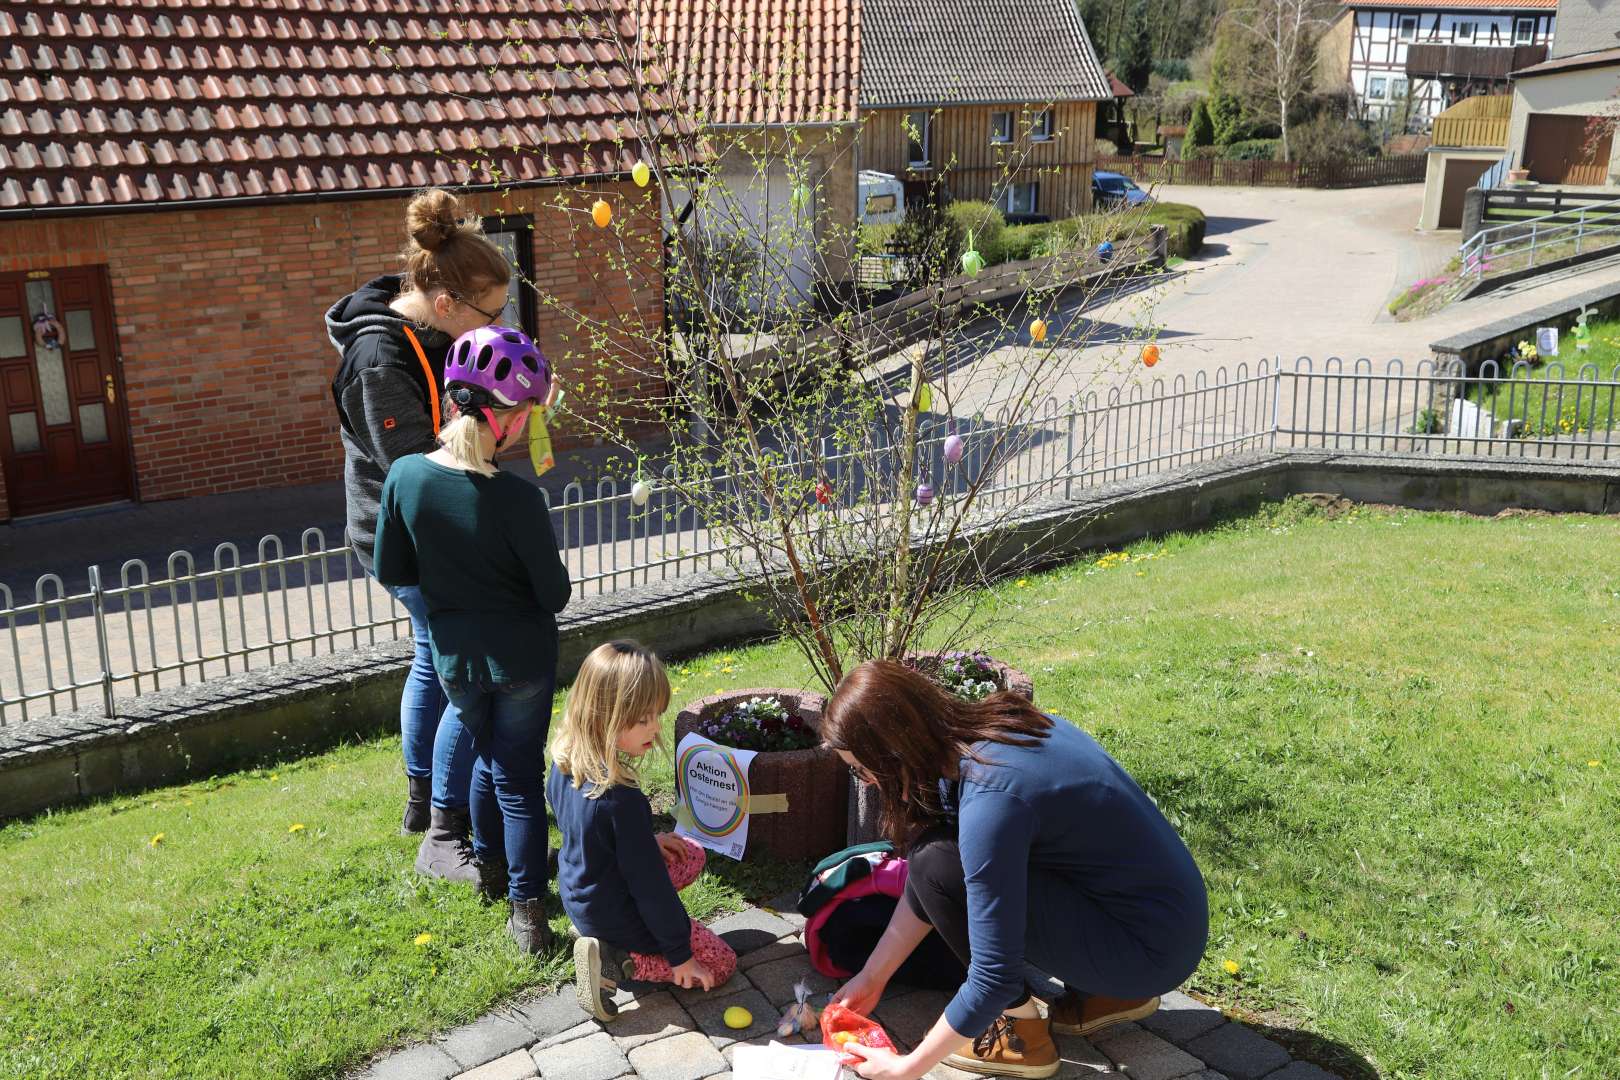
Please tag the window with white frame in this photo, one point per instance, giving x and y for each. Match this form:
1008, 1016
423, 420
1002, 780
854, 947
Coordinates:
1001, 127
1040, 126
1464, 30
1377, 87
1019, 198
1524, 31
917, 139
1408, 27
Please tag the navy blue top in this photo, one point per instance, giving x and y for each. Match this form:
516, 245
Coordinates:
1049, 831
611, 874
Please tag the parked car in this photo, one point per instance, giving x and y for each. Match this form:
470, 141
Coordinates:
1111, 189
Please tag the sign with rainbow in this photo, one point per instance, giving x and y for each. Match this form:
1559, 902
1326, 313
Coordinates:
711, 795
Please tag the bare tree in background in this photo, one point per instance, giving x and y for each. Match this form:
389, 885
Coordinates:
1284, 35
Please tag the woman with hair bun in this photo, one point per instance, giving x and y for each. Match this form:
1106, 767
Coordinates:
393, 334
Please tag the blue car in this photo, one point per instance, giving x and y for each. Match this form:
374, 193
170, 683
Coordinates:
1110, 189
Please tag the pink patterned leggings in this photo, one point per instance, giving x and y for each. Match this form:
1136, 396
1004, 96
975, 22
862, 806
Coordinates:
707, 948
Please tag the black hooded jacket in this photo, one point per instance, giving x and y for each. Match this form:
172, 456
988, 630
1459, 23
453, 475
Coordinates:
384, 398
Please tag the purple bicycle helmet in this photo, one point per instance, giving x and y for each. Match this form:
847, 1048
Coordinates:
501, 362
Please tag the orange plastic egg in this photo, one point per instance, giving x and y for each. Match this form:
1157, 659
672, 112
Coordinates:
602, 213
1150, 355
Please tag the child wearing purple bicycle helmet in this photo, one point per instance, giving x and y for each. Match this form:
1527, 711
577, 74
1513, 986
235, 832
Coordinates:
479, 544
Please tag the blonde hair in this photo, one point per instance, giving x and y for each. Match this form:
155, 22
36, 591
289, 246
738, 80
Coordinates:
463, 441
447, 249
619, 684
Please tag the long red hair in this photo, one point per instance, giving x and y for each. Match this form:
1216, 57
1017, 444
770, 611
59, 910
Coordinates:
909, 734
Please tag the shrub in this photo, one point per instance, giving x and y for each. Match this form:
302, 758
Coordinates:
1327, 140
1173, 70
1104, 148
984, 221
874, 239
933, 242
1184, 224
1200, 129
1226, 114
1020, 242
1252, 150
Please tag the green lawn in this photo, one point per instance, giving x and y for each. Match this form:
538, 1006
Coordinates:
1547, 410
1388, 738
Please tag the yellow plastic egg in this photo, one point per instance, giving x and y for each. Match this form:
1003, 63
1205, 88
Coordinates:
602, 213
641, 174
738, 1018
1037, 331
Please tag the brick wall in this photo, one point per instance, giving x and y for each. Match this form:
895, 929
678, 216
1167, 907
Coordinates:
226, 364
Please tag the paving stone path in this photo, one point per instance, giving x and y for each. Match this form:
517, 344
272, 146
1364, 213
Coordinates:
664, 1034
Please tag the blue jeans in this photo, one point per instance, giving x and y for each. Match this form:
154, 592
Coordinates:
509, 725
435, 743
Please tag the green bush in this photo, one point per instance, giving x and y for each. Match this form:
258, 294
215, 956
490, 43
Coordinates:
874, 239
984, 221
1253, 150
1172, 70
1020, 242
1200, 129
1184, 225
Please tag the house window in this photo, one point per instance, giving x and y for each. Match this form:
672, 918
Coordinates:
513, 236
1376, 87
1018, 198
1397, 89
917, 139
1524, 31
1001, 127
1464, 30
1040, 128
1408, 27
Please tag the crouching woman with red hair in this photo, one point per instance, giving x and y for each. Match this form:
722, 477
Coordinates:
1033, 854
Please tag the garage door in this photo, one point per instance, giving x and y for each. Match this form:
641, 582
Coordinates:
1567, 149
1459, 177
782, 234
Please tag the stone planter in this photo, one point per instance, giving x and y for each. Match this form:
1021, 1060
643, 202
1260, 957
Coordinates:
865, 810
815, 781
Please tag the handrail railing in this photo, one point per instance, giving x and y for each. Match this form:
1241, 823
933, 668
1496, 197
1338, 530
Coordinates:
1523, 245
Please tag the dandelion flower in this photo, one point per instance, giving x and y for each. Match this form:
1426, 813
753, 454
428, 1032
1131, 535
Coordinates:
1594, 763
1231, 967
273, 776
297, 826
727, 671
1023, 583
155, 841
423, 939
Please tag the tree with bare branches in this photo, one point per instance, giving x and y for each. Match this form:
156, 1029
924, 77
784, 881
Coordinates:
1282, 36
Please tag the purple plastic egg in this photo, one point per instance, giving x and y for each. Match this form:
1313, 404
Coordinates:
953, 449
925, 494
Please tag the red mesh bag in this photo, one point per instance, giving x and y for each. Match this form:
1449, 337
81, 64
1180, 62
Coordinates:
841, 1025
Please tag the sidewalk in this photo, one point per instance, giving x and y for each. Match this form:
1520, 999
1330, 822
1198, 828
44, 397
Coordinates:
679, 1034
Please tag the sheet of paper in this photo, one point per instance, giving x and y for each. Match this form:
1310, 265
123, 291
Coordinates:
780, 1062
711, 794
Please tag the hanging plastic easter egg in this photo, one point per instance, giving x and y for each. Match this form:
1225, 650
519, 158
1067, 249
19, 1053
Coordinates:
640, 492
737, 1018
800, 199
602, 214
1150, 355
925, 398
1105, 251
641, 174
953, 449
972, 261
1037, 331
824, 493
925, 493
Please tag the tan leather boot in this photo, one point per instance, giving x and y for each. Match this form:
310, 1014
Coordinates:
1011, 1048
1075, 1015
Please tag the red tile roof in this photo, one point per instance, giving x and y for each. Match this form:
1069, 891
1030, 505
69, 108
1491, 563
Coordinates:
120, 103
758, 61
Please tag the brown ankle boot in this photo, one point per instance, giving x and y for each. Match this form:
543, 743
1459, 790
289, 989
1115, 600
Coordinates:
418, 805
1075, 1015
446, 850
1011, 1048
527, 925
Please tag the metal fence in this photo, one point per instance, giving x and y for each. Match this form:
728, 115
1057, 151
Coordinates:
1536, 241
191, 622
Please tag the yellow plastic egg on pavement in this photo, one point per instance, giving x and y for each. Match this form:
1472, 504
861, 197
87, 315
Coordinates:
641, 174
602, 213
738, 1017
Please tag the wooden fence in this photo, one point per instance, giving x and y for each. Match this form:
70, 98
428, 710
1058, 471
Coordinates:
1369, 172
1504, 206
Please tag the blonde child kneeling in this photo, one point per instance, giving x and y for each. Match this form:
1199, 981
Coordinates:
618, 880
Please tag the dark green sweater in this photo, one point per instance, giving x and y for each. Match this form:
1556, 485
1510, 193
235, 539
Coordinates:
483, 552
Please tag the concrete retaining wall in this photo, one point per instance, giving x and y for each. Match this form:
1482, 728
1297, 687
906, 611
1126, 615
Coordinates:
1496, 339
226, 723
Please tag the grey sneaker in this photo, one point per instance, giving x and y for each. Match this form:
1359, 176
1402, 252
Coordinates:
598, 967
418, 805
446, 850
527, 925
